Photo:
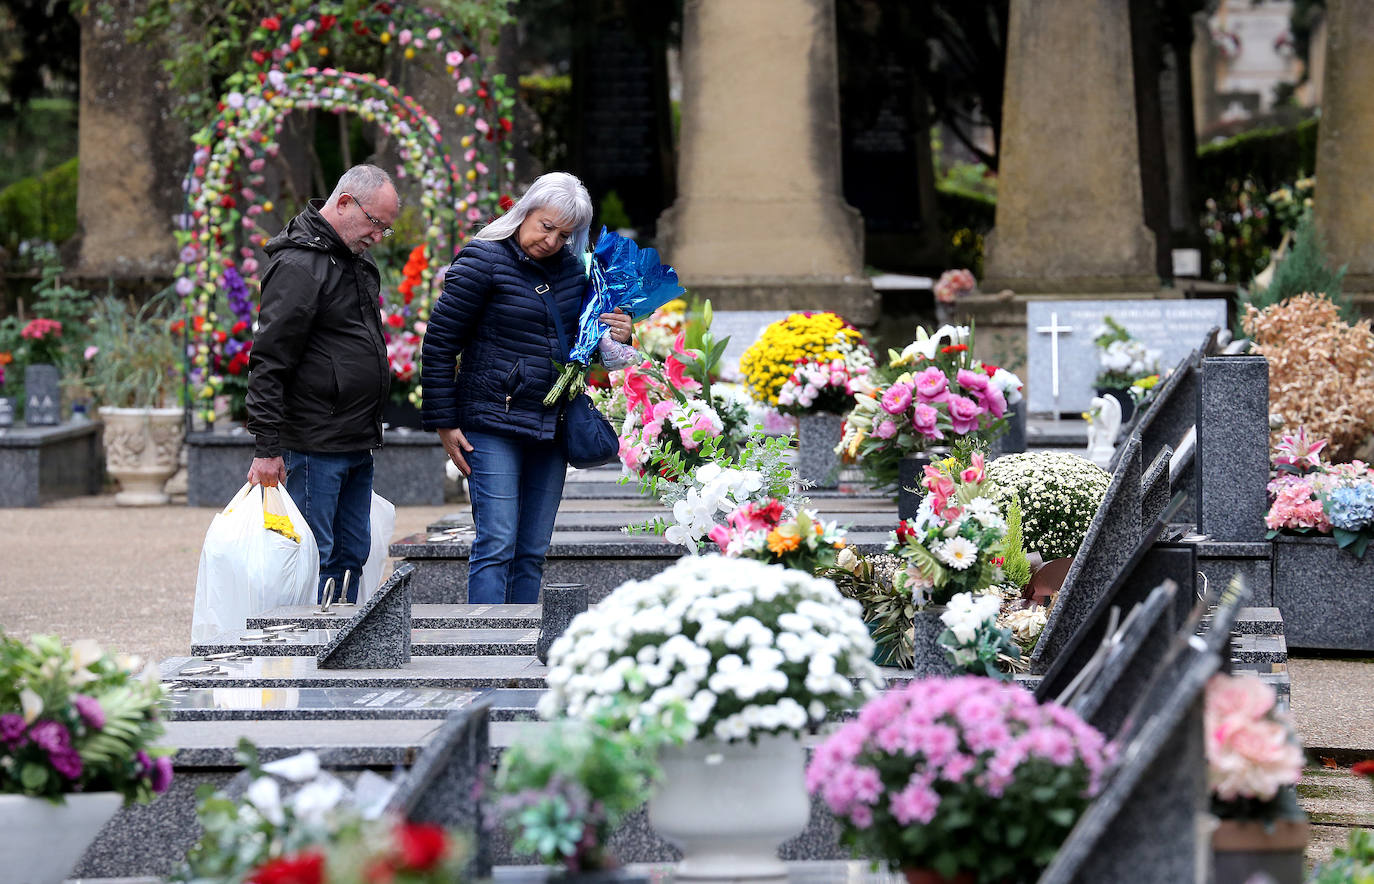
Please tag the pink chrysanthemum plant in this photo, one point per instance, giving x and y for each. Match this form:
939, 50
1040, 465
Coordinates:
960, 775
1253, 752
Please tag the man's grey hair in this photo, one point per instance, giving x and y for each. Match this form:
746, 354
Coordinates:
559, 191
362, 181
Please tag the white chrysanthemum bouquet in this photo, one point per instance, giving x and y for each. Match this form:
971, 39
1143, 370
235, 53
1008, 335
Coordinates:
745, 648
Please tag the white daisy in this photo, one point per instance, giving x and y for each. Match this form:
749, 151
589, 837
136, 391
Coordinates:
958, 552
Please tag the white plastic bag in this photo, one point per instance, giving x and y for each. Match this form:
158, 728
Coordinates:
383, 526
247, 568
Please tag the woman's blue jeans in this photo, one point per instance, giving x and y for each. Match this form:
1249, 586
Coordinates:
515, 488
334, 493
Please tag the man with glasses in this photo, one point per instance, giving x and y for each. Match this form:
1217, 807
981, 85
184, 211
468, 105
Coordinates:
318, 371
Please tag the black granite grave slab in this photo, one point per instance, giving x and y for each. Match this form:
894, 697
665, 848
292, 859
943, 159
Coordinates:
468, 672
1154, 487
424, 643
421, 617
1259, 621
1110, 539
378, 636
314, 704
1183, 476
42, 464
1233, 448
1172, 410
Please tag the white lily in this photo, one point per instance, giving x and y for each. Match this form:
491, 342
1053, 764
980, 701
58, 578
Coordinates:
297, 768
31, 704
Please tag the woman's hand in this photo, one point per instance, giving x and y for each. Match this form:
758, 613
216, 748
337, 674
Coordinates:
620, 324
456, 445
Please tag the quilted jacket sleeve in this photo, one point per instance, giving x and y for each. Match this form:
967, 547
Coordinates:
452, 322
289, 298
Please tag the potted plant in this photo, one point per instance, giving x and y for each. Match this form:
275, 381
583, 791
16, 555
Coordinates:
1253, 761
1123, 363
1355, 861
806, 366
983, 784
77, 727
955, 544
772, 531
132, 367
757, 654
1058, 495
949, 288
563, 790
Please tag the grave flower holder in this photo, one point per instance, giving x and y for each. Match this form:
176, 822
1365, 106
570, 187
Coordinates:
817, 436
1322, 591
1273, 851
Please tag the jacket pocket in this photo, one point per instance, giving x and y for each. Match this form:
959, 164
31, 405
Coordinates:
515, 380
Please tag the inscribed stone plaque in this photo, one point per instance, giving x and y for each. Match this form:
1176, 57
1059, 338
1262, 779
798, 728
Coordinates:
1059, 340
743, 328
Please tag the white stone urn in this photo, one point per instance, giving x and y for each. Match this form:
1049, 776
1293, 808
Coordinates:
141, 449
728, 806
41, 842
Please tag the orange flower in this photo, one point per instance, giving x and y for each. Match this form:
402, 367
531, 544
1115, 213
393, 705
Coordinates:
782, 543
840, 544
6, 358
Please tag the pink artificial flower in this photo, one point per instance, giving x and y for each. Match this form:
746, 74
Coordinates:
926, 421
897, 398
721, 535
931, 384
974, 473
1242, 696
885, 429
993, 400
963, 414
1297, 450
971, 380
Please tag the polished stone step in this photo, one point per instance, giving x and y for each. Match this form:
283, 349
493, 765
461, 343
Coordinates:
342, 702
1259, 649
481, 671
421, 616
1258, 621
424, 643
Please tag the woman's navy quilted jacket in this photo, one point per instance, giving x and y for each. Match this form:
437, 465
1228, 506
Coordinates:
493, 315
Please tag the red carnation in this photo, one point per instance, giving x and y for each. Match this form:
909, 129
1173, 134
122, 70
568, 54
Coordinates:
259, 57
327, 22
422, 847
955, 348
306, 868
395, 320
273, 23
905, 529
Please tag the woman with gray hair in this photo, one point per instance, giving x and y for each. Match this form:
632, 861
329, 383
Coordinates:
509, 308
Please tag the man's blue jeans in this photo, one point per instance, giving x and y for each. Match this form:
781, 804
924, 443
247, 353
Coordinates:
334, 493
515, 488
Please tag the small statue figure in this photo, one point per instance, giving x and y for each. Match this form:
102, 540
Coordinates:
1104, 424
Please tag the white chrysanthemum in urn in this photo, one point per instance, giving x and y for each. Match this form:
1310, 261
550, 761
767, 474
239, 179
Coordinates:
754, 654
745, 647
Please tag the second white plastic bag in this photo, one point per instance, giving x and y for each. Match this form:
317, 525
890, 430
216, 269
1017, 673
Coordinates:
383, 526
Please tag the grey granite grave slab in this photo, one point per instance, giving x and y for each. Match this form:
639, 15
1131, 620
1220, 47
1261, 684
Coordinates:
1219, 561
1171, 327
1233, 447
315, 704
1109, 541
433, 672
1154, 486
421, 617
42, 464
378, 636
561, 603
1259, 621
446, 784
1261, 649
424, 643
1183, 476
1325, 594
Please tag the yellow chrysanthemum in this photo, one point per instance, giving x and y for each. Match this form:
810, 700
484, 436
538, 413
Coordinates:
280, 524
770, 360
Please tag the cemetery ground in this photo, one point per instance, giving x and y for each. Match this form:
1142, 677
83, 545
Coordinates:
84, 568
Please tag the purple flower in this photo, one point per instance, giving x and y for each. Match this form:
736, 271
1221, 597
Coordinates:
89, 708
12, 730
162, 774
51, 736
66, 762
145, 764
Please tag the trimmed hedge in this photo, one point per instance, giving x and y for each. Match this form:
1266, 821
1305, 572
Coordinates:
1272, 157
40, 207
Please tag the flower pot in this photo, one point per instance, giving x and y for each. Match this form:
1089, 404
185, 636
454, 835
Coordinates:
928, 655
1121, 395
41, 842
728, 806
930, 876
910, 473
42, 395
1245, 849
141, 448
817, 436
1324, 593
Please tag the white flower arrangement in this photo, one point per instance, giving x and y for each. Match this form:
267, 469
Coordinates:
974, 640
1058, 493
745, 648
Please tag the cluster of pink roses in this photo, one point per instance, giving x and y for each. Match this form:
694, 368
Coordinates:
1251, 747
932, 404
952, 284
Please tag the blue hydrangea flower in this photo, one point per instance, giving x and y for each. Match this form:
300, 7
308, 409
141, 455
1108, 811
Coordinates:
1351, 509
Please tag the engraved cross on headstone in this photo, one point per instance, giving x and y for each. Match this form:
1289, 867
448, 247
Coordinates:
1054, 330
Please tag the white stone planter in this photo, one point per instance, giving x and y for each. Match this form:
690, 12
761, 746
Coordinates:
40, 842
141, 448
728, 806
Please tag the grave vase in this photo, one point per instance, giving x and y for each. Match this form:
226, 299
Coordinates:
1246, 850
141, 449
727, 806
42, 842
910, 473
817, 435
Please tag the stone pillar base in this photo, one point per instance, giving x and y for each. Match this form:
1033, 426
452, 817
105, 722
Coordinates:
850, 297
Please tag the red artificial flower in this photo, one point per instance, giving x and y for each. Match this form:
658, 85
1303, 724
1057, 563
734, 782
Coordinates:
505, 202
359, 28
384, 8
379, 871
1364, 768
238, 363
305, 868
905, 529
198, 323
259, 57
772, 512
990, 369
954, 348
422, 847
177, 326
240, 327
227, 201
396, 320
220, 336
272, 24
295, 43
505, 124
327, 22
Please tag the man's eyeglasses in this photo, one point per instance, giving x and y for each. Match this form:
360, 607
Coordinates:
386, 231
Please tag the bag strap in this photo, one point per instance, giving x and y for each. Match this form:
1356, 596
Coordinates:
545, 291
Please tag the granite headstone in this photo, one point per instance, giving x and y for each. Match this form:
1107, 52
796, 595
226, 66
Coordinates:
1233, 448
1154, 486
561, 603
378, 636
42, 395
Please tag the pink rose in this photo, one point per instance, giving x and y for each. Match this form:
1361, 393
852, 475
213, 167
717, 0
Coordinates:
971, 380
1240, 696
885, 429
930, 384
897, 398
926, 421
963, 414
993, 400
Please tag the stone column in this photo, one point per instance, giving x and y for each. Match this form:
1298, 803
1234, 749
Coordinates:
759, 222
134, 153
1345, 146
1069, 210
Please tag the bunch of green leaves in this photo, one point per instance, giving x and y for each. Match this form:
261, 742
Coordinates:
1351, 864
53, 299
137, 360
1015, 566
563, 790
1112, 331
40, 681
888, 610
993, 651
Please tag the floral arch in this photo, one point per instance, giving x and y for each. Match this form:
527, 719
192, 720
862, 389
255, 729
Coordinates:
229, 216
